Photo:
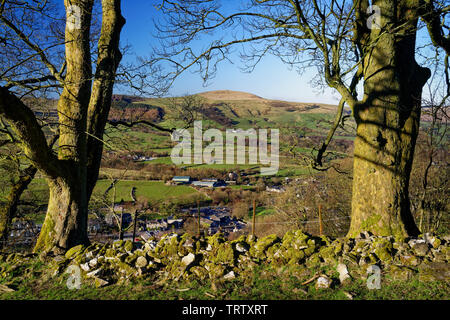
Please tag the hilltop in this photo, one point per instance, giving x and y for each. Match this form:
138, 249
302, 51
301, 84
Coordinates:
229, 95
250, 99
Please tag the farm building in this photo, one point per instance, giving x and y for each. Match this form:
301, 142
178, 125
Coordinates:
209, 183
181, 179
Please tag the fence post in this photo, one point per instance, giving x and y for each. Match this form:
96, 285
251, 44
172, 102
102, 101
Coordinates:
121, 226
254, 217
135, 223
198, 218
320, 220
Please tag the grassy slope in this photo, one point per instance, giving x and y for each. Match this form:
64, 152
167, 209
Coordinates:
32, 281
152, 190
247, 111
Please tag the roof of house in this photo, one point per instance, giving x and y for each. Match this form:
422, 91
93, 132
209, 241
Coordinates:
181, 178
204, 183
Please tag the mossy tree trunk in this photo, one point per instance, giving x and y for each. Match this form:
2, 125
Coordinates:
387, 123
9, 208
82, 109
109, 57
65, 224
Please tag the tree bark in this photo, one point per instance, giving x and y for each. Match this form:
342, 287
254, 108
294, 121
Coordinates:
65, 224
109, 57
388, 121
81, 111
8, 209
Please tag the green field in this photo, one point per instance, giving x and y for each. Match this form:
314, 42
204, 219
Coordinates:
151, 190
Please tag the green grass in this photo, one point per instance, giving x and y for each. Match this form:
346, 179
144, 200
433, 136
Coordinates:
152, 190
32, 281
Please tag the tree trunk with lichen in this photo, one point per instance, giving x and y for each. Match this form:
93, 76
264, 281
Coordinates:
81, 110
65, 224
388, 121
9, 208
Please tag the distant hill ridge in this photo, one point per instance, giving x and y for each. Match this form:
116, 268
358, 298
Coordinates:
229, 95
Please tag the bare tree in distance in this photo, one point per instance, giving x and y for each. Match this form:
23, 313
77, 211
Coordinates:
348, 42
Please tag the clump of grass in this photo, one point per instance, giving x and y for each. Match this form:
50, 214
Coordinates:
32, 280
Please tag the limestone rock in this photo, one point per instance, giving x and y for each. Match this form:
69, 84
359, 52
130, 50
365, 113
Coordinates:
323, 282
72, 252
399, 273
5, 289
128, 246
200, 272
141, 262
59, 259
94, 273
85, 266
421, 249
93, 262
241, 247
410, 260
343, 272
229, 276
258, 250
434, 271
99, 283
188, 260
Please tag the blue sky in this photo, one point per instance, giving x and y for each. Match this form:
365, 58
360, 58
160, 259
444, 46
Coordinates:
271, 79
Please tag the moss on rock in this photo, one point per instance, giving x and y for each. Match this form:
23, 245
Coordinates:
72, 252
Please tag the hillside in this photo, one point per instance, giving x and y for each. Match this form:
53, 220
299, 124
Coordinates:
252, 100
229, 95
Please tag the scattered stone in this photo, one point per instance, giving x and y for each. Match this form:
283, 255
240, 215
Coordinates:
188, 243
434, 271
240, 247
348, 295
141, 262
128, 246
229, 276
343, 272
420, 248
150, 245
72, 252
399, 273
99, 283
94, 274
85, 266
90, 255
6, 289
188, 260
410, 260
59, 258
323, 282
93, 262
